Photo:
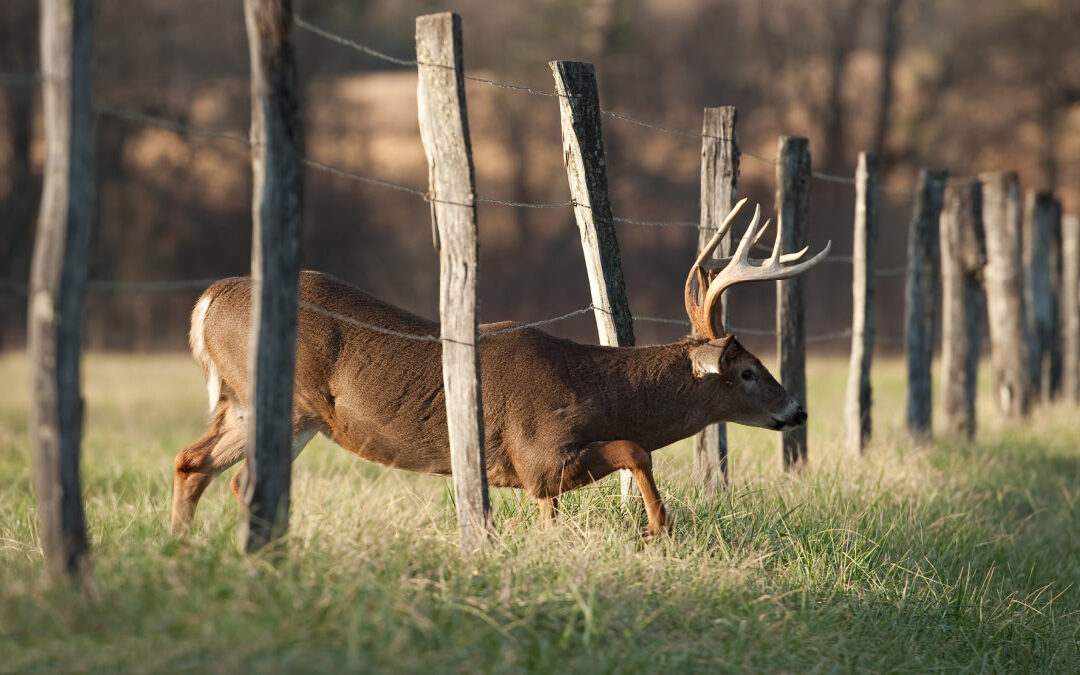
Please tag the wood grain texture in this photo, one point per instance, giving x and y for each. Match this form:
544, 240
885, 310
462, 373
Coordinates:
277, 214
1070, 307
963, 257
1003, 285
586, 173
793, 211
719, 177
444, 129
58, 284
583, 154
858, 397
924, 247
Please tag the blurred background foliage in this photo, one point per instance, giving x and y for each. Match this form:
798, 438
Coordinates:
993, 85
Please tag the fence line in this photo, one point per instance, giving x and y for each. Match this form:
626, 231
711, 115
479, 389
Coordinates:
19, 79
181, 128
352, 44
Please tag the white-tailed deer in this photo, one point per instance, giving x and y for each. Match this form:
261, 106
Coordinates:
557, 414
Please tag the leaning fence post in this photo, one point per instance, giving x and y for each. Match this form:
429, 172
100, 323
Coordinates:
857, 423
1003, 284
1070, 306
444, 130
58, 283
719, 175
277, 136
922, 279
1042, 286
963, 256
583, 153
792, 210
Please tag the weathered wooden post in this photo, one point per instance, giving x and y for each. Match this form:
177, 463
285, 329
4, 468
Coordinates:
583, 153
963, 257
1003, 284
277, 152
1070, 306
858, 399
1042, 287
58, 283
922, 277
792, 211
444, 130
719, 176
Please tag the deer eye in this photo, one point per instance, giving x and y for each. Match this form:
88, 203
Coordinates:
748, 375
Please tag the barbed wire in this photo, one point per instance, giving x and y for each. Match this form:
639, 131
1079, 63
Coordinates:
170, 125
347, 42
187, 284
659, 223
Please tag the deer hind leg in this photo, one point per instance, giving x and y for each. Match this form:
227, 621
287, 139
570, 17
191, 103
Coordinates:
600, 459
220, 446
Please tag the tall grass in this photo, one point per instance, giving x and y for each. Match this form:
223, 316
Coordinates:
951, 556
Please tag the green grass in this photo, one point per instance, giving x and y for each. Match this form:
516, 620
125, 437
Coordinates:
949, 557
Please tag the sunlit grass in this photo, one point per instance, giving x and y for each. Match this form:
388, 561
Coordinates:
950, 556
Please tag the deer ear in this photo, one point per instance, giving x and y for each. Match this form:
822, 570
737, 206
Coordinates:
707, 358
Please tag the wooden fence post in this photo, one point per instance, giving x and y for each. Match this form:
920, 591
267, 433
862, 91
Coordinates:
922, 279
1003, 284
444, 129
857, 404
277, 213
719, 176
1070, 306
963, 256
1042, 287
1056, 364
583, 153
792, 209
58, 284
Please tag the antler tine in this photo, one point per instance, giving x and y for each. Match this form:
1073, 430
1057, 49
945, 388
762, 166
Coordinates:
762, 231
715, 241
777, 242
742, 253
792, 257
787, 257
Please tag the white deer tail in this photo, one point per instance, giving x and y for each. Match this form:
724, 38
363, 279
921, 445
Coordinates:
197, 340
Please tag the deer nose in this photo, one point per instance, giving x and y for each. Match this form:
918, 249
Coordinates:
799, 418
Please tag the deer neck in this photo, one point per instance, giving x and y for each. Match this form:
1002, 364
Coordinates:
659, 400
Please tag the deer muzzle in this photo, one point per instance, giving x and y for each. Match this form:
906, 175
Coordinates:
792, 418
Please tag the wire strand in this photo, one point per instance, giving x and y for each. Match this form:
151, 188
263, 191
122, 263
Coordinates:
342, 40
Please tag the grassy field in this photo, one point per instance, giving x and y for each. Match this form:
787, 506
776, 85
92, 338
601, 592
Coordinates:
949, 557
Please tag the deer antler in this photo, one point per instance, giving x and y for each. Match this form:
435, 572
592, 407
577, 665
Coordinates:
708, 279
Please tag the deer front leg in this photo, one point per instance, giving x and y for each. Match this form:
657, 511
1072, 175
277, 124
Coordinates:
602, 458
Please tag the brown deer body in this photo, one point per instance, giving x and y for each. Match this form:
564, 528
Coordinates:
557, 414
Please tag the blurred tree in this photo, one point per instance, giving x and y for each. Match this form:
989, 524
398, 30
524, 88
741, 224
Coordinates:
20, 196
